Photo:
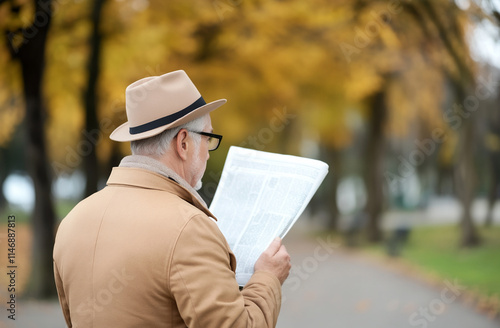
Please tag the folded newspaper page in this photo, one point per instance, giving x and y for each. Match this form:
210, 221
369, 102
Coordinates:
259, 197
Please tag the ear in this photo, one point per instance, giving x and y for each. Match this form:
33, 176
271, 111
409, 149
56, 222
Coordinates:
181, 144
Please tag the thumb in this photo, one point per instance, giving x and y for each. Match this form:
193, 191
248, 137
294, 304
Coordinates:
275, 245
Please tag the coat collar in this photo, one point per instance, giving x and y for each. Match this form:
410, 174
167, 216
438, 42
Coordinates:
141, 178
153, 165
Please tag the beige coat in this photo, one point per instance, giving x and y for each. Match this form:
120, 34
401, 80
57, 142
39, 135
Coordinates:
144, 252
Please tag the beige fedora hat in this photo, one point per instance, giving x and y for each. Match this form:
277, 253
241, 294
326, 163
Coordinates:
157, 103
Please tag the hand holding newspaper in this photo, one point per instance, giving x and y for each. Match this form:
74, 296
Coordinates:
259, 197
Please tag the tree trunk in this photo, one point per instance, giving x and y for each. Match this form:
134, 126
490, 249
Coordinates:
333, 160
91, 133
494, 187
3, 176
465, 178
446, 182
31, 55
374, 166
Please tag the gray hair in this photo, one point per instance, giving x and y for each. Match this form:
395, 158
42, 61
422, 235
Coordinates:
159, 144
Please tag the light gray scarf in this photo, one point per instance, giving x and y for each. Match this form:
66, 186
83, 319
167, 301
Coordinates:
151, 164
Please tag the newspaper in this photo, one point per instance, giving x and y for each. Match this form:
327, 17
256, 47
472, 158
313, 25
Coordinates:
259, 197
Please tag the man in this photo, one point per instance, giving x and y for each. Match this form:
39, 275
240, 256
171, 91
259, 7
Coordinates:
145, 251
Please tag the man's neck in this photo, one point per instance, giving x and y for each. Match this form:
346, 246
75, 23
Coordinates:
173, 164
157, 166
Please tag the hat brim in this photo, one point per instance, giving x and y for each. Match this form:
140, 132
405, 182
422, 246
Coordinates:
122, 133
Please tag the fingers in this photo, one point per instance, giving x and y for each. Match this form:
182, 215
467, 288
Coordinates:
275, 260
275, 246
283, 252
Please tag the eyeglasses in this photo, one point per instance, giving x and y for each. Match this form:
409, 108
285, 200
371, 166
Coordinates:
213, 139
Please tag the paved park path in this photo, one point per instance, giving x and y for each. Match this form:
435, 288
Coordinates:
330, 287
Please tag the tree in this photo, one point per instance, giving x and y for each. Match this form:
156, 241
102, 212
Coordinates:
413, 50
374, 158
462, 79
493, 145
91, 128
315, 64
490, 14
27, 45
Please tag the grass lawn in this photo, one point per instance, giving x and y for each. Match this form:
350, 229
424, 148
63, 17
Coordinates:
436, 250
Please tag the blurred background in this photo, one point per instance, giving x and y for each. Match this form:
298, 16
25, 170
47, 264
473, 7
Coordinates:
400, 98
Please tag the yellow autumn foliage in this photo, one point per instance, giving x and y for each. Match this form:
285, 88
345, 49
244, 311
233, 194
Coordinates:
320, 59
